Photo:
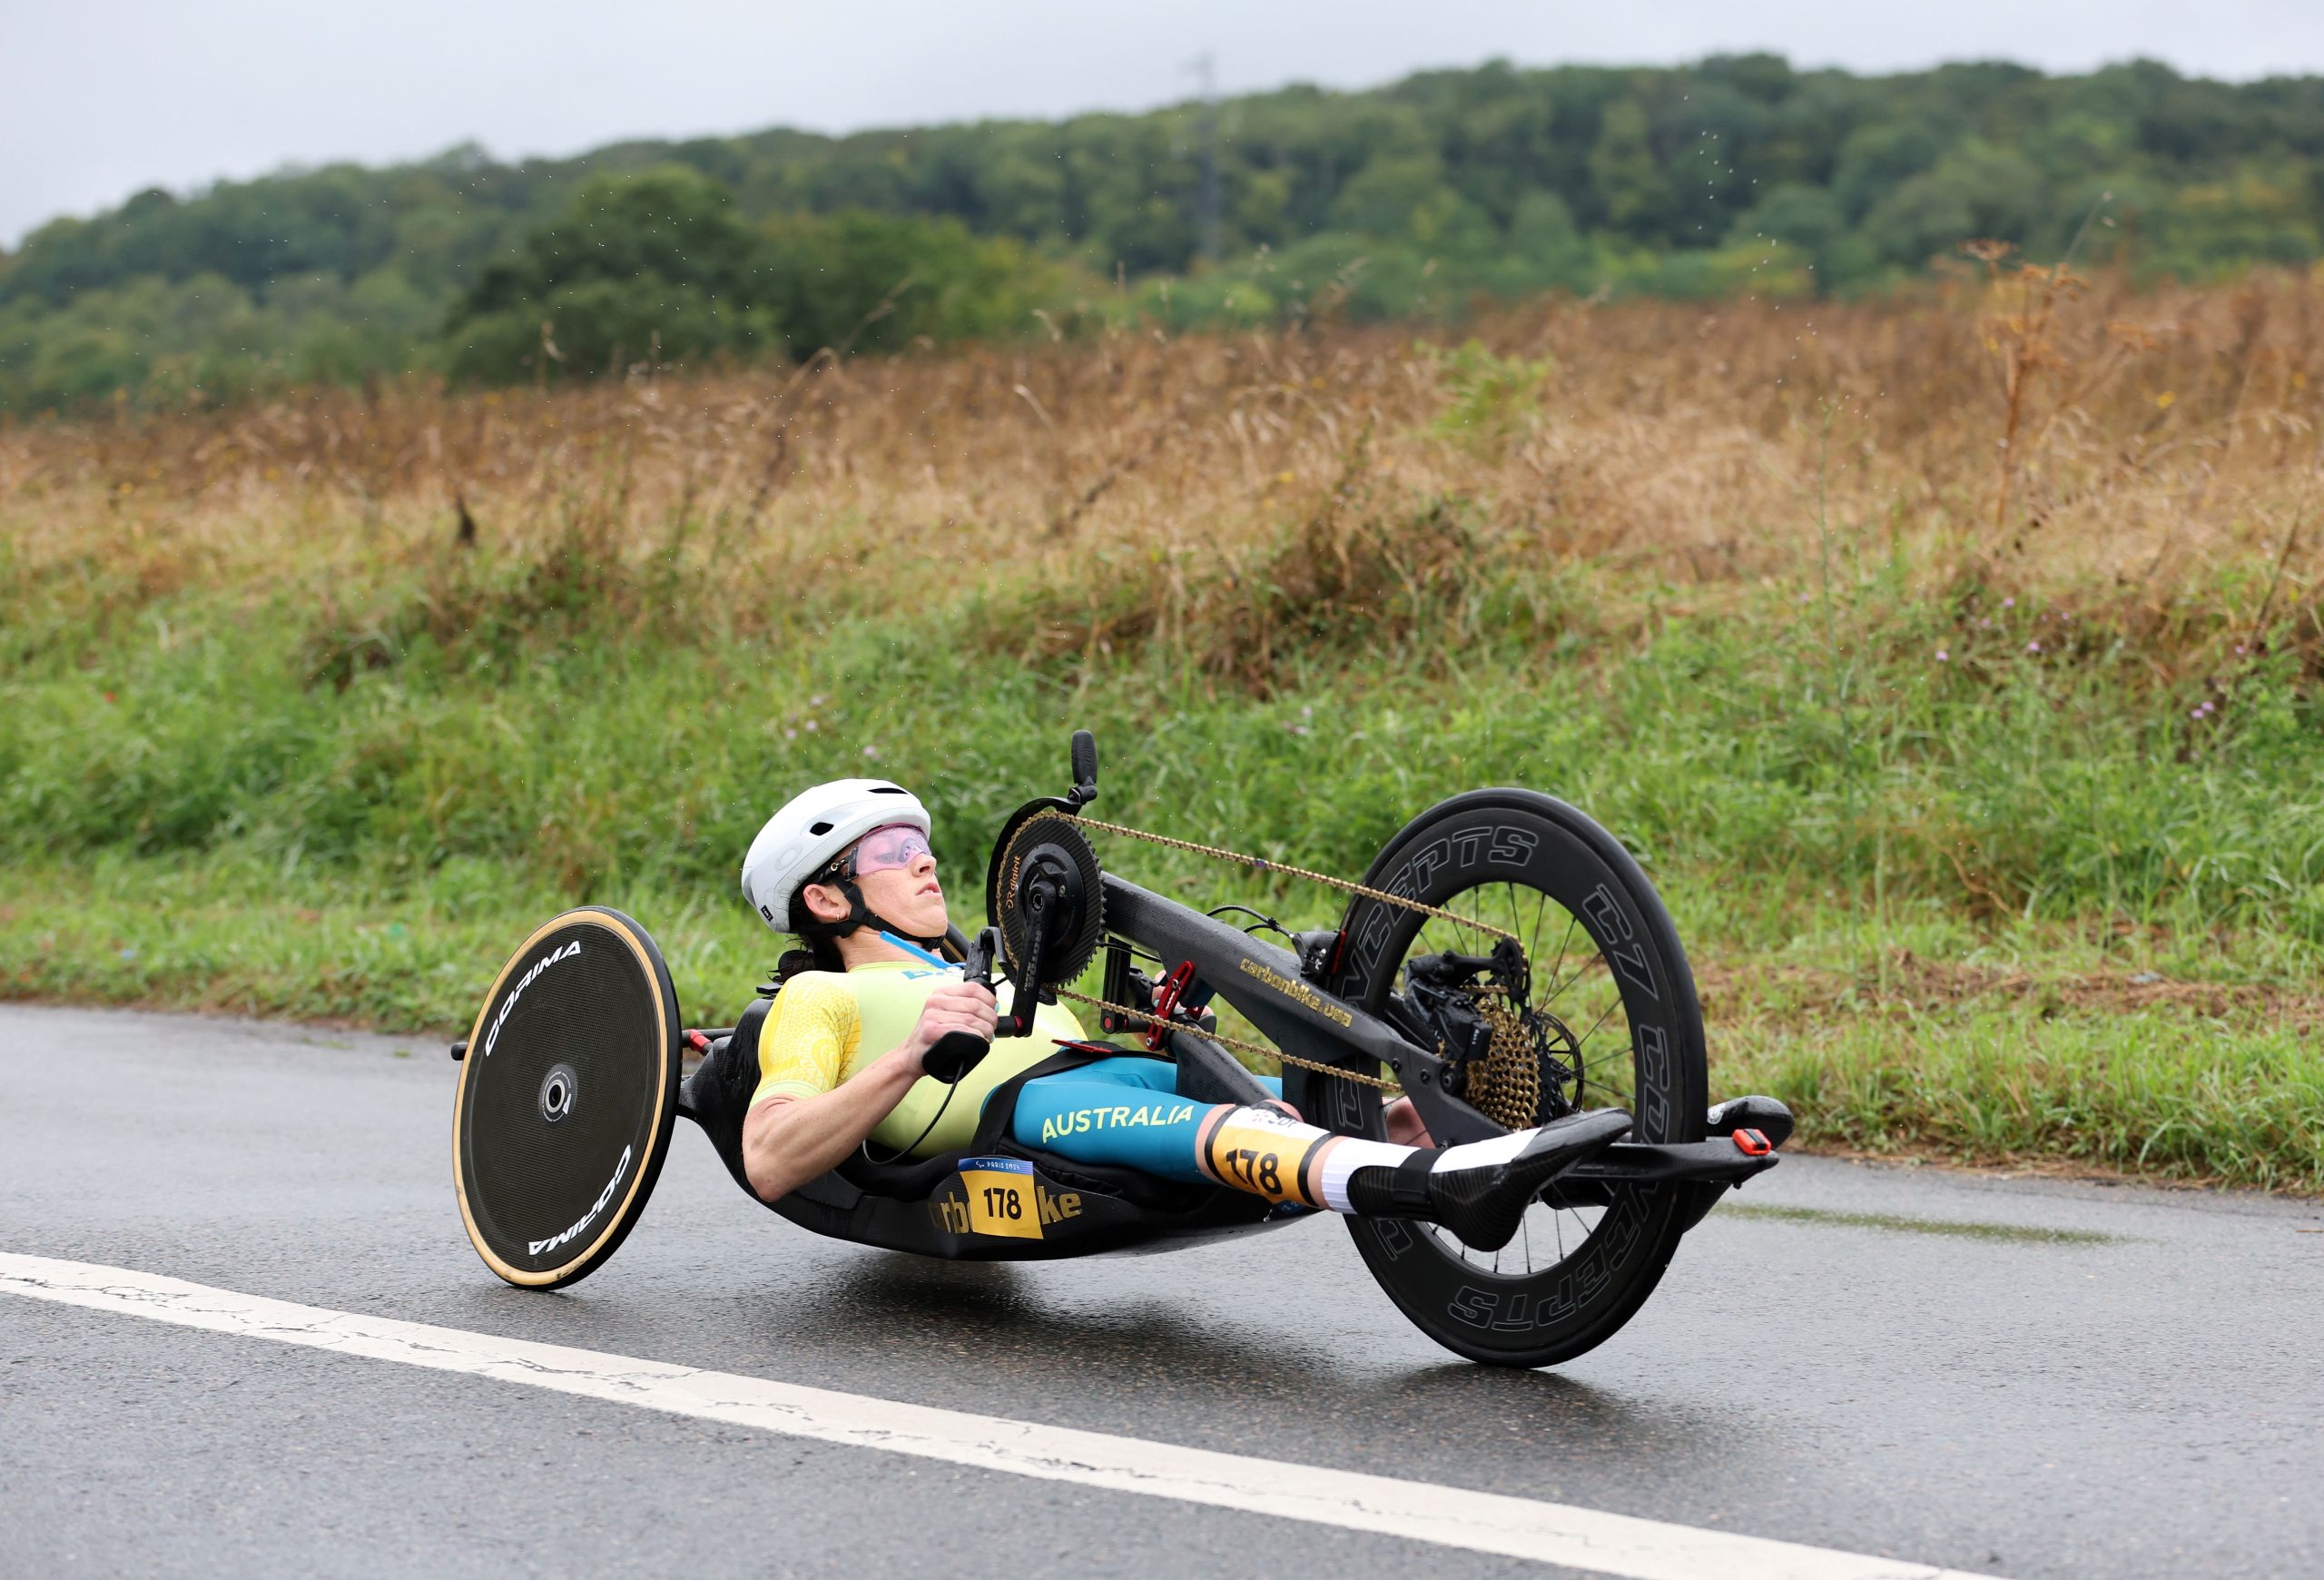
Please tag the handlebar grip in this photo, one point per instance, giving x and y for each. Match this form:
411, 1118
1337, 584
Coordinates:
955, 1055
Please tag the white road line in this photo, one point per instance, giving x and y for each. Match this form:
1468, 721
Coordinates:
1579, 1538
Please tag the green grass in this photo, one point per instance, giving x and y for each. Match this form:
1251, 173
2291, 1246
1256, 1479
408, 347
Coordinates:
2174, 1094
207, 803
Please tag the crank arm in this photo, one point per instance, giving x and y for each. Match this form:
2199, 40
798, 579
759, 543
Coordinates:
1025, 983
1030, 988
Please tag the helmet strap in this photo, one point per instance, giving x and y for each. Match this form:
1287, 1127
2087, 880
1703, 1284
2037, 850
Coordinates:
859, 914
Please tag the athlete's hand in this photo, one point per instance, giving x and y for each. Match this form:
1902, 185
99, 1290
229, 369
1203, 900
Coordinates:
958, 1006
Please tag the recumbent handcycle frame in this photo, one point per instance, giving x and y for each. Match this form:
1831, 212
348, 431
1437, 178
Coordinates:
571, 1079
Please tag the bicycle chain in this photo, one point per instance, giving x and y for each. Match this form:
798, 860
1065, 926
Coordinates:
1260, 863
1258, 1049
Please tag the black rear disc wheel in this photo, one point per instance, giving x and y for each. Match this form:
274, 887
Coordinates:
568, 1095
1617, 1025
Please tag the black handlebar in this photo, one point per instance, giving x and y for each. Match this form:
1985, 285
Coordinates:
957, 1053
1085, 769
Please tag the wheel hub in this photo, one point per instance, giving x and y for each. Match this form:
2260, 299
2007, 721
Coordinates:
558, 1088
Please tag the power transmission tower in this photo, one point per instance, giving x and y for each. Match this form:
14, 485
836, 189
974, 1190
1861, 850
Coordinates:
1206, 205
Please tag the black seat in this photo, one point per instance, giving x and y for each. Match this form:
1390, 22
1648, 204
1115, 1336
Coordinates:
892, 1204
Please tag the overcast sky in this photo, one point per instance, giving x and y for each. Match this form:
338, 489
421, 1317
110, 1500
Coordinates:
105, 97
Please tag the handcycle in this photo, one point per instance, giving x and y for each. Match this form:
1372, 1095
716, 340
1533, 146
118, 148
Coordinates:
1504, 963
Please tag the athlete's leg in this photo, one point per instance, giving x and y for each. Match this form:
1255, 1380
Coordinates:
1478, 1190
1123, 1111
1083, 1115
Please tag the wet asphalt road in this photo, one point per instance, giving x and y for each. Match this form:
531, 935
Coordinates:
2096, 1381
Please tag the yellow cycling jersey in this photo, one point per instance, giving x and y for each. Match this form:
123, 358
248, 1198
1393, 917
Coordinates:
827, 1025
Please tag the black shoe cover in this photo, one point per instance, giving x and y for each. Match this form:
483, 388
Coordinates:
1483, 1205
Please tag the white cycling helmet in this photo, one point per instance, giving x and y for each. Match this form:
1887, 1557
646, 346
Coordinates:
813, 827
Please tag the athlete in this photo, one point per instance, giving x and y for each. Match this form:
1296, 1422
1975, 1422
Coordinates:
846, 867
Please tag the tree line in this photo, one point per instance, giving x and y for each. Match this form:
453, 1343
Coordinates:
1736, 174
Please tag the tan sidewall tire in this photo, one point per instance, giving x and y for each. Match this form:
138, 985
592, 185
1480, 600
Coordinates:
665, 1056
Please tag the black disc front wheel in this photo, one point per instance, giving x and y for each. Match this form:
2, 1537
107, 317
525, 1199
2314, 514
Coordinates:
1592, 1008
567, 1095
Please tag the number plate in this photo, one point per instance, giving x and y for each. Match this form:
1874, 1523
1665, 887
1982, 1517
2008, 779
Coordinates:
1258, 1151
1000, 1196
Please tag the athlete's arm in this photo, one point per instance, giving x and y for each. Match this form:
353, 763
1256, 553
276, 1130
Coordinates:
789, 1140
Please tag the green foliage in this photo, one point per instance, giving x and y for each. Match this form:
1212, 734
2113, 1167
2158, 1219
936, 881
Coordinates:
1627, 179
879, 283
1976, 190
654, 267
208, 337
661, 267
667, 224
1409, 201
1807, 219
588, 328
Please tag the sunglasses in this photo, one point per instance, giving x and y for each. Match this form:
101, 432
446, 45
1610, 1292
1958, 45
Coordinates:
884, 849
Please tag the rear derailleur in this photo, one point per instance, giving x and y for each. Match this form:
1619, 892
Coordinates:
1515, 1063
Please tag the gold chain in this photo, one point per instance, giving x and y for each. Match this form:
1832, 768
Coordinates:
1237, 1043
1261, 863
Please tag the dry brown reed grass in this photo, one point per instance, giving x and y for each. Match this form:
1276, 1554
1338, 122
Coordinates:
1225, 493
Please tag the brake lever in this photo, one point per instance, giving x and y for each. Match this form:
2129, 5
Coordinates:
976, 961
1085, 770
957, 1053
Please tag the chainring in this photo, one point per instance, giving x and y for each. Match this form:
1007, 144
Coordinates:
1053, 837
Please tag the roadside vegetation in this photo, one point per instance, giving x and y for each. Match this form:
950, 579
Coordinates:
1952, 663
